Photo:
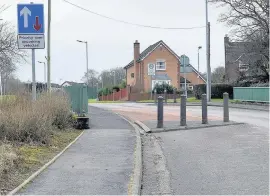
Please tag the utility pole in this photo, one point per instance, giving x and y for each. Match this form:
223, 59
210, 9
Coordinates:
199, 64
87, 75
49, 47
208, 86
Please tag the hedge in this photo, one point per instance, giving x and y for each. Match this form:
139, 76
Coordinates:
217, 90
161, 87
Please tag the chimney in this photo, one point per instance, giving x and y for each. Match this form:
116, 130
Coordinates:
137, 65
136, 50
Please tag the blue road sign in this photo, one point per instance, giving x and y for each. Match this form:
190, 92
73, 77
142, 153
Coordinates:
30, 18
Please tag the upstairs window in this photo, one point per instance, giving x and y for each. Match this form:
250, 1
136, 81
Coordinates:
243, 66
132, 75
160, 65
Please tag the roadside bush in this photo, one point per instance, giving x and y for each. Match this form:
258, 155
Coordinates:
123, 84
116, 88
260, 85
26, 121
199, 89
217, 90
161, 87
105, 91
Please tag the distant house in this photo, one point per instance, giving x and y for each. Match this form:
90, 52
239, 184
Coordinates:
70, 83
239, 57
167, 68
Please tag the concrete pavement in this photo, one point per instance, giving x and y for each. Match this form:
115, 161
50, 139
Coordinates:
100, 162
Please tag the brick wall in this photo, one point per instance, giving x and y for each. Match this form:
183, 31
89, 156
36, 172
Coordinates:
130, 80
122, 94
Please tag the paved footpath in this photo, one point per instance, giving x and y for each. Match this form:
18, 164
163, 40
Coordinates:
99, 163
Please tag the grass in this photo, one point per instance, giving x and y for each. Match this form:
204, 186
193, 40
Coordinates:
7, 97
28, 158
95, 101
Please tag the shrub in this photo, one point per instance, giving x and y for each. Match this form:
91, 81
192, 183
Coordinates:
105, 91
8, 158
260, 85
161, 87
190, 93
217, 90
123, 84
116, 88
26, 121
199, 89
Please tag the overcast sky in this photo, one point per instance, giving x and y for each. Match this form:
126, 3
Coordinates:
111, 43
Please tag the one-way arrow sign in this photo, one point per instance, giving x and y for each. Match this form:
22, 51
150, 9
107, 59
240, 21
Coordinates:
30, 18
25, 12
37, 25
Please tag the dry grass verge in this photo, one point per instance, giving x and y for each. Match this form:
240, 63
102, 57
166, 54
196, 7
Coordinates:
31, 133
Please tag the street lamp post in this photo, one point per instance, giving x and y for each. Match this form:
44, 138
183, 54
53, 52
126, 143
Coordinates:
208, 86
86, 43
113, 77
199, 63
44, 70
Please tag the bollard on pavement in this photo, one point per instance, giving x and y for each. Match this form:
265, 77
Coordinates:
183, 111
174, 95
225, 107
160, 112
165, 95
204, 109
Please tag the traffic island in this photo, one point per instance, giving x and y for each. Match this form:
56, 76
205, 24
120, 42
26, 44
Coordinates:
150, 126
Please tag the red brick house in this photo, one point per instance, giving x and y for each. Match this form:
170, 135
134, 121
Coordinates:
168, 68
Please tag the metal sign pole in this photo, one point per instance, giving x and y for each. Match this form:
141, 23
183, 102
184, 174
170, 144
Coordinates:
151, 87
185, 76
49, 48
34, 87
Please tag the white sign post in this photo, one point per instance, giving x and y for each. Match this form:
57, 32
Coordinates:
151, 73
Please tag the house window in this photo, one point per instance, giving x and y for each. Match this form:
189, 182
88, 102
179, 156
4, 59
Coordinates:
243, 66
132, 75
160, 65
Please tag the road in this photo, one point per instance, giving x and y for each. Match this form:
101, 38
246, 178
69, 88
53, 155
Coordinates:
141, 111
99, 163
219, 160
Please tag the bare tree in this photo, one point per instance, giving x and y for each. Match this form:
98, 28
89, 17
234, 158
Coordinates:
9, 52
249, 20
247, 17
91, 78
108, 77
218, 75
